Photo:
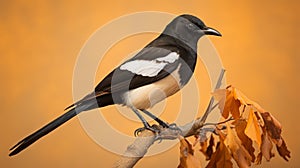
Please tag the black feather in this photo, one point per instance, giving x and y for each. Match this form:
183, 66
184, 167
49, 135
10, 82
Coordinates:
23, 144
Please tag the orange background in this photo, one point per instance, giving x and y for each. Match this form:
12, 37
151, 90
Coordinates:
40, 41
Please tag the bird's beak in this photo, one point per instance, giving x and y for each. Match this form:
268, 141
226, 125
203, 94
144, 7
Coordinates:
211, 31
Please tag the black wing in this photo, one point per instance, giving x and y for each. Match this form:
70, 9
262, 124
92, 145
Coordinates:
119, 81
122, 80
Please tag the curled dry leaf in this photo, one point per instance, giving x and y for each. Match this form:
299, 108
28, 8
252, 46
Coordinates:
283, 151
244, 100
240, 126
221, 158
266, 147
227, 103
259, 126
207, 150
203, 148
253, 129
273, 130
187, 157
273, 127
230, 100
238, 151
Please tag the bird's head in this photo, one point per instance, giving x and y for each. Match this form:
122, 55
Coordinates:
189, 28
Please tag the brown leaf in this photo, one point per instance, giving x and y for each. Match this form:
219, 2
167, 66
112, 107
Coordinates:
187, 158
203, 148
221, 158
238, 151
283, 151
258, 158
220, 95
238, 95
240, 126
245, 100
227, 103
273, 127
207, 150
230, 99
253, 129
266, 146
261, 127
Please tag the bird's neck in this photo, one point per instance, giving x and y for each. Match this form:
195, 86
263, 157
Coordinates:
190, 42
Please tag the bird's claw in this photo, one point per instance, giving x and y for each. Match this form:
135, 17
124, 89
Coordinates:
174, 126
158, 137
138, 131
157, 129
150, 128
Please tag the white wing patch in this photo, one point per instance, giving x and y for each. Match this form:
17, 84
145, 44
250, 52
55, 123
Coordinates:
149, 68
144, 67
170, 58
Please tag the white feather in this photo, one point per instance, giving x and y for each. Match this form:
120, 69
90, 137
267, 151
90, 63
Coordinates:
170, 58
149, 68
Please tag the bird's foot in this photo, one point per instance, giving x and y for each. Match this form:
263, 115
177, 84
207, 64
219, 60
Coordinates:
172, 126
153, 128
156, 129
161, 135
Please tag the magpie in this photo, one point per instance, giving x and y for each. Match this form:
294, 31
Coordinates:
156, 72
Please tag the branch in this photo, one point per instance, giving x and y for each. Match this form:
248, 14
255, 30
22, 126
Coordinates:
145, 139
136, 150
211, 102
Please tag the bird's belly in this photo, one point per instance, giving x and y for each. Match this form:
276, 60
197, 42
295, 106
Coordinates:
147, 96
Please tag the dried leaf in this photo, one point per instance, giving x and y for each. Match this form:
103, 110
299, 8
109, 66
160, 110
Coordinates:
273, 127
253, 129
241, 97
283, 151
262, 127
258, 158
207, 150
245, 100
203, 148
238, 152
230, 99
266, 146
221, 158
227, 103
240, 126
187, 158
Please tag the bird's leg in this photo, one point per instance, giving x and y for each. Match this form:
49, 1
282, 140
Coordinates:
159, 121
145, 123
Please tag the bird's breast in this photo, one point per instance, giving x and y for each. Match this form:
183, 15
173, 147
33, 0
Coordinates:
147, 96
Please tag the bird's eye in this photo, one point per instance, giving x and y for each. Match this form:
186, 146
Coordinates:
190, 25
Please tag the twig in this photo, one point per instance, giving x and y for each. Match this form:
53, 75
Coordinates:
200, 122
140, 146
229, 119
211, 102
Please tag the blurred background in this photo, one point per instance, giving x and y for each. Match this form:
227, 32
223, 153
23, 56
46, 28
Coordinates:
40, 42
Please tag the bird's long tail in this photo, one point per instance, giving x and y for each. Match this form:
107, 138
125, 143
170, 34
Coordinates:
42, 132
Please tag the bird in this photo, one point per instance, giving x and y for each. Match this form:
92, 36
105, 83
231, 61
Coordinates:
157, 71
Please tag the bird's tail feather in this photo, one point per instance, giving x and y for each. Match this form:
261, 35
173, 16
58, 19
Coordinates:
42, 132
